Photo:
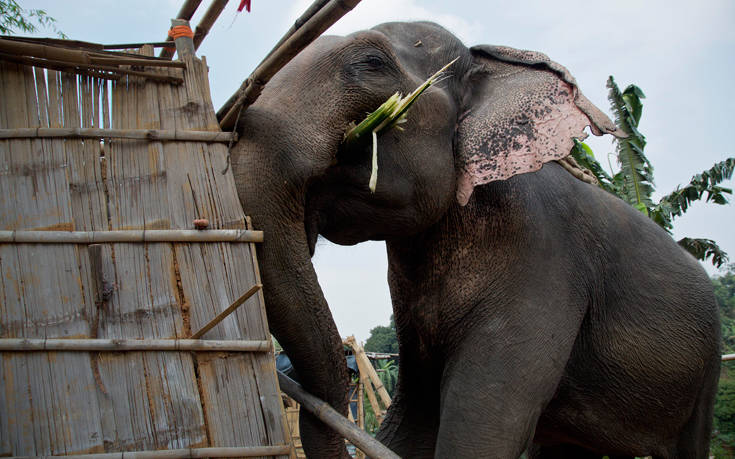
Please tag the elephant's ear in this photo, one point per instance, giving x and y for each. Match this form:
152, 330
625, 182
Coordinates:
524, 110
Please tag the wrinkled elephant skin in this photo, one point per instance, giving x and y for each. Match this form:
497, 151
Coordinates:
533, 311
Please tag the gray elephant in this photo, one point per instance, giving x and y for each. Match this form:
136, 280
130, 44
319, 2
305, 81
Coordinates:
533, 310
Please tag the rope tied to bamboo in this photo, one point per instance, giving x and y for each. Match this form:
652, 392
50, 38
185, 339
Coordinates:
180, 31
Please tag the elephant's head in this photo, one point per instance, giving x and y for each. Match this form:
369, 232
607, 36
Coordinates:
497, 113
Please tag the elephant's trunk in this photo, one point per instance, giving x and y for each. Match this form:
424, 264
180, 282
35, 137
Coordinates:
272, 193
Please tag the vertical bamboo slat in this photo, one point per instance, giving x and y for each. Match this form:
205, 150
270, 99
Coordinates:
58, 403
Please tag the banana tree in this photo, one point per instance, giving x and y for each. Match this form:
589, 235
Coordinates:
634, 183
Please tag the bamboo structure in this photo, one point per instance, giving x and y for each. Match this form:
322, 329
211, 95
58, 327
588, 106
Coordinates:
104, 279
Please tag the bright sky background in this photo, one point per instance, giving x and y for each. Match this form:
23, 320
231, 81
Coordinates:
681, 53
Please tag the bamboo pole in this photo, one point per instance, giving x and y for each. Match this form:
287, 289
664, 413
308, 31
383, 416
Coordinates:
60, 66
301, 38
131, 345
141, 134
728, 357
311, 11
243, 451
75, 56
333, 419
186, 12
95, 237
230, 309
94, 70
208, 20
360, 356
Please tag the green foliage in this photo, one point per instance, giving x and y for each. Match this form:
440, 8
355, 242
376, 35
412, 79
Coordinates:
725, 294
383, 339
13, 19
388, 373
634, 181
723, 428
723, 432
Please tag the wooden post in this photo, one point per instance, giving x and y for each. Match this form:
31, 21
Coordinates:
360, 356
184, 45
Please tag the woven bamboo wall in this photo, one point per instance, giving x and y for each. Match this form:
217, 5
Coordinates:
61, 403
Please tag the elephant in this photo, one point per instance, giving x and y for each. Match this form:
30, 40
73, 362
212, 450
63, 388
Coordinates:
534, 311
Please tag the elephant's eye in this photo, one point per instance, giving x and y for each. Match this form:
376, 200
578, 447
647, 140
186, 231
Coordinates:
370, 62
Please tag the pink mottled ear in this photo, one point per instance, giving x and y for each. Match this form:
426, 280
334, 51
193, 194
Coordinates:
524, 111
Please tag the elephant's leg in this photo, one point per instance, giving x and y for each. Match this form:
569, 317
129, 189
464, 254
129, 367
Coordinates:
500, 378
411, 425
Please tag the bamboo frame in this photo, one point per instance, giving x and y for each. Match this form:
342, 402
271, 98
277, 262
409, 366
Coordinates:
141, 134
230, 309
244, 451
333, 419
96, 237
131, 345
300, 39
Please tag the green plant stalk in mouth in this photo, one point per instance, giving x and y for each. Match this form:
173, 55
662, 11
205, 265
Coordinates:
390, 114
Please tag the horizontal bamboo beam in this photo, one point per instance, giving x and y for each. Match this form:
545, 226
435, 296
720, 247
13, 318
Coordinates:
141, 134
155, 44
243, 451
74, 56
100, 71
60, 66
97, 237
728, 357
230, 309
300, 39
131, 345
333, 419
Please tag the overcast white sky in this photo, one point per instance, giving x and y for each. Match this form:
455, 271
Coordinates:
681, 54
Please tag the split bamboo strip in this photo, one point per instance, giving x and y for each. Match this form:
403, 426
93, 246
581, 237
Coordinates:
361, 357
144, 134
230, 309
96, 237
131, 345
245, 451
727, 357
333, 419
301, 38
